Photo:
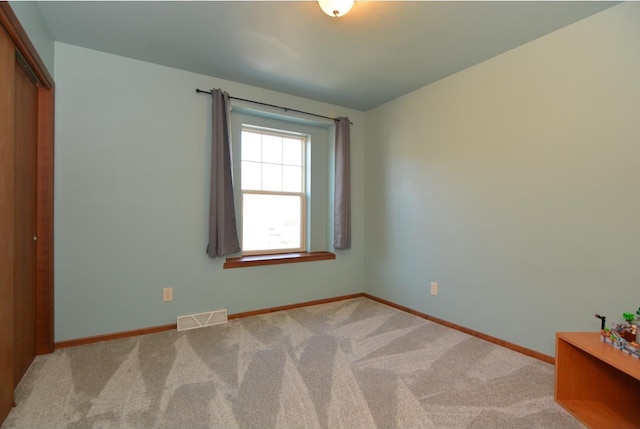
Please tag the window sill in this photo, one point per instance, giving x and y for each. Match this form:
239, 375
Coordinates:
281, 258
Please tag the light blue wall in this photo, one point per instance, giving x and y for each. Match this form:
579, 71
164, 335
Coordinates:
29, 16
131, 201
515, 185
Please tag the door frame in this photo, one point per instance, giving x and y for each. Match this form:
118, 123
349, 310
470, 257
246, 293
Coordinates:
44, 180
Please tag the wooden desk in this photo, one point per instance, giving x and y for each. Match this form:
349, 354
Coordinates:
597, 383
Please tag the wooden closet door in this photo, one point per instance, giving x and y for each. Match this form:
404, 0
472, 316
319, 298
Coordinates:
24, 293
26, 206
7, 55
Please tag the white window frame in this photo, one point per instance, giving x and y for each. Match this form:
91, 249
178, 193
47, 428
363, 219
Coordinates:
302, 194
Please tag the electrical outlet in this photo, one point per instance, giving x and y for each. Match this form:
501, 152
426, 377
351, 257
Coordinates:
167, 294
434, 288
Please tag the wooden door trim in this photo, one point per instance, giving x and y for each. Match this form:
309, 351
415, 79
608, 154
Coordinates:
44, 180
16, 32
44, 224
7, 216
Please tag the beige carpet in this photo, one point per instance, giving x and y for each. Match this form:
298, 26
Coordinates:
348, 364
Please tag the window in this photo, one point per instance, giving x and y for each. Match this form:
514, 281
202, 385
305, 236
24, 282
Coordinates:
311, 194
273, 191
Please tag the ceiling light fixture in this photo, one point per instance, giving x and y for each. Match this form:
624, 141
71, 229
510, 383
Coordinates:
336, 8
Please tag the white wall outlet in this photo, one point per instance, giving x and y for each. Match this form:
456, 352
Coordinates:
434, 288
167, 294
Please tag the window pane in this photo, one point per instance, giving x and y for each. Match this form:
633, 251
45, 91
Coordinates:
291, 179
292, 151
251, 175
272, 149
271, 222
271, 177
251, 146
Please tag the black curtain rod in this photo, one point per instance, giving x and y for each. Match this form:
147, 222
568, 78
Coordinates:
286, 109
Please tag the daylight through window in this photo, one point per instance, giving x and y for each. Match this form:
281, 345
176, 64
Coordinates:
273, 191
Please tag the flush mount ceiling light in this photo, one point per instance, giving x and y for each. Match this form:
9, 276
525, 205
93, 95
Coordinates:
336, 8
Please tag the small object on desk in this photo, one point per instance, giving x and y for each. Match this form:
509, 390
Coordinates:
622, 336
603, 320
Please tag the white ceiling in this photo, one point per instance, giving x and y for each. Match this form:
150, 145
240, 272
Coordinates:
379, 51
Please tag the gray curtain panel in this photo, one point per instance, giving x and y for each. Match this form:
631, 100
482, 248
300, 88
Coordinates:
342, 194
223, 234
